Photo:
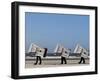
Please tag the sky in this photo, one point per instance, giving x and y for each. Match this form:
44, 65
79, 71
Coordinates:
47, 30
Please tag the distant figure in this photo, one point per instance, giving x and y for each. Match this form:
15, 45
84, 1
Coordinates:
84, 53
63, 58
82, 57
39, 54
64, 55
63, 52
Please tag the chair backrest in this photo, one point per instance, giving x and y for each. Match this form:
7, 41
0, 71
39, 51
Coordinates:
45, 52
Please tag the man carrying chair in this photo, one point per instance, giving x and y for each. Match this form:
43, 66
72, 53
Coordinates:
64, 55
40, 52
83, 53
63, 52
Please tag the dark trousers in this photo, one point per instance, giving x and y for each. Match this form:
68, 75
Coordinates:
63, 59
38, 58
82, 59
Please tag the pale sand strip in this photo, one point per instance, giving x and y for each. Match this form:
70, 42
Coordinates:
53, 63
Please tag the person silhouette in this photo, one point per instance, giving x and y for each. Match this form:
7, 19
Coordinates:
82, 59
39, 54
64, 55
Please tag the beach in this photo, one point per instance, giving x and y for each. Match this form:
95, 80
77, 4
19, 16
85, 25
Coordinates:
53, 62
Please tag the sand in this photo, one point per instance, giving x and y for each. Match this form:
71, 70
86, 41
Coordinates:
29, 63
